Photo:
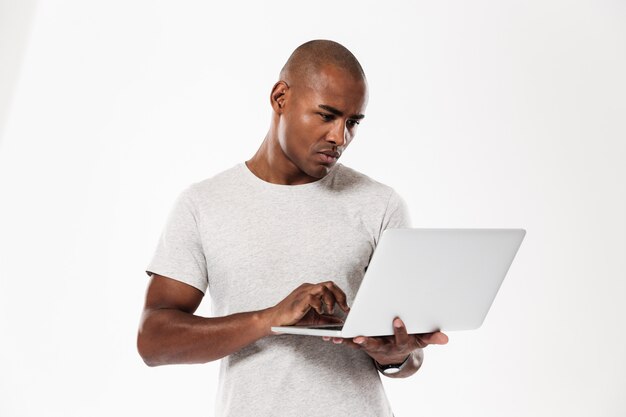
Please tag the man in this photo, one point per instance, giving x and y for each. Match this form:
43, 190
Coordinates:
283, 238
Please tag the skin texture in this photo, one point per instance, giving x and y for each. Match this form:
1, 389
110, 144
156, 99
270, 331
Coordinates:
317, 107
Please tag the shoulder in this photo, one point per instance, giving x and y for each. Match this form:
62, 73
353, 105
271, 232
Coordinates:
350, 178
379, 200
223, 182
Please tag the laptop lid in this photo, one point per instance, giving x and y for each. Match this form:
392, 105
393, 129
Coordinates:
434, 279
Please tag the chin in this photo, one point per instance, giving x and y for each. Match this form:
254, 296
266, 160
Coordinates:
314, 168
319, 171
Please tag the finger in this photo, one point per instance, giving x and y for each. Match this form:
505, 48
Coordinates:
313, 301
350, 343
337, 340
401, 337
435, 338
339, 295
329, 300
371, 344
325, 295
346, 342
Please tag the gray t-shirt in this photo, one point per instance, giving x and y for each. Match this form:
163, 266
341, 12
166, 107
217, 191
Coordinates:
249, 243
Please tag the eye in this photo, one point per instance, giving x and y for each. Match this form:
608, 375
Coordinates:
352, 123
326, 117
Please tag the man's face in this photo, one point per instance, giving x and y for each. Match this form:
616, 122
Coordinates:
321, 118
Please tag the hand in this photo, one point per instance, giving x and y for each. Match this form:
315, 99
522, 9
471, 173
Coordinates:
393, 349
309, 304
313, 319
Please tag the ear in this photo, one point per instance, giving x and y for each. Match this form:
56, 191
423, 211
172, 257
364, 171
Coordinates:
279, 96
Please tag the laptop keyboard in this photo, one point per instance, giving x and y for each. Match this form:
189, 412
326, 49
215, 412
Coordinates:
326, 327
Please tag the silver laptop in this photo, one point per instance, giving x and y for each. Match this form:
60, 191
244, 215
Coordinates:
433, 279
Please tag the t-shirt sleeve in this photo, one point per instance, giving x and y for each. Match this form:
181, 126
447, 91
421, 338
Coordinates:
396, 216
179, 254
397, 213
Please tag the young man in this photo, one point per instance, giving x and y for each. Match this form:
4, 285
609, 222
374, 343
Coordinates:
283, 238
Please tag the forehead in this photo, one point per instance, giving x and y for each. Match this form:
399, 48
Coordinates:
336, 87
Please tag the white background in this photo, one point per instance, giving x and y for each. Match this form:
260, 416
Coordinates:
482, 114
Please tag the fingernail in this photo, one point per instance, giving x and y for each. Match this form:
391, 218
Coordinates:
359, 340
397, 323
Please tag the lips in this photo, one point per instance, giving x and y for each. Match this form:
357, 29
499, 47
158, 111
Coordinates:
331, 153
328, 157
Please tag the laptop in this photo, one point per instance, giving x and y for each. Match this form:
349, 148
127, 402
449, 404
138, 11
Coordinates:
433, 279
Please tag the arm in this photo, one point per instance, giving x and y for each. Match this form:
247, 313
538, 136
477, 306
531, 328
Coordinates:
170, 333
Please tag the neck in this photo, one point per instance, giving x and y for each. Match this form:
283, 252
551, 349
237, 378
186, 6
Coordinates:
270, 164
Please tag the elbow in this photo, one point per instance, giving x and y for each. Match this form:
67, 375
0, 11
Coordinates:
150, 362
145, 351
147, 345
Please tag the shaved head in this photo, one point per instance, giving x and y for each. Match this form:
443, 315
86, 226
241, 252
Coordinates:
311, 57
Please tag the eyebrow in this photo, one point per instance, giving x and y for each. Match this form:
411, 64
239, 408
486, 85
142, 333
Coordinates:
339, 112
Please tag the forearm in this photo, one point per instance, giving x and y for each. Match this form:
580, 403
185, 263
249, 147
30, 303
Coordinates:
170, 336
412, 366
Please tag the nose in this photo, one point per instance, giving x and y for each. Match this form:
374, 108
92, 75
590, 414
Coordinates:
338, 133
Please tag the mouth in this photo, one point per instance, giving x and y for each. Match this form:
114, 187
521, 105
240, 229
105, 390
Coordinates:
328, 158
